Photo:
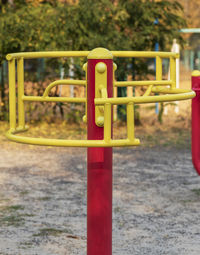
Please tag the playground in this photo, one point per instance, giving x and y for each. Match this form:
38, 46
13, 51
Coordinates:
99, 127
44, 190
155, 191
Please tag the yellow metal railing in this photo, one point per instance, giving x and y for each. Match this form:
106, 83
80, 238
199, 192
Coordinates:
104, 105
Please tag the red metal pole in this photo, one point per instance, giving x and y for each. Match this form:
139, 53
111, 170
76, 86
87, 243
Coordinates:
196, 121
99, 163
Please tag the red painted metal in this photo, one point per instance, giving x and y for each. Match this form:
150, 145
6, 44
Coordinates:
99, 179
196, 123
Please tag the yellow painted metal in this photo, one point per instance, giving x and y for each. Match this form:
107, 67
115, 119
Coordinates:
158, 68
100, 91
71, 143
147, 99
196, 73
47, 54
20, 76
142, 83
114, 68
12, 95
148, 91
144, 54
104, 93
60, 54
114, 93
165, 88
173, 72
107, 123
54, 99
85, 116
100, 53
130, 121
63, 82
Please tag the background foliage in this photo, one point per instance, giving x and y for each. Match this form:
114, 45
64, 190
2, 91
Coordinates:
36, 25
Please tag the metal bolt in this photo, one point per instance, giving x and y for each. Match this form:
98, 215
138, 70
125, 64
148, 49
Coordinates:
100, 121
101, 67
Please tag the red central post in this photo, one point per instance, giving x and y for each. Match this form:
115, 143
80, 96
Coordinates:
99, 164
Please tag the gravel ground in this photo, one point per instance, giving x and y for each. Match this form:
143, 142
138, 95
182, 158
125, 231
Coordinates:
156, 201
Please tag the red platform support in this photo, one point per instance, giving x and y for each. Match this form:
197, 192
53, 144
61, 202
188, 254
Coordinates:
196, 121
99, 163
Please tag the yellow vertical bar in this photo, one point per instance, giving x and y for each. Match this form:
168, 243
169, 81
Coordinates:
130, 121
107, 122
20, 78
173, 72
85, 116
12, 95
158, 68
114, 93
129, 91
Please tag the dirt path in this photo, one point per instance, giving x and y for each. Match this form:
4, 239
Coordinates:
156, 201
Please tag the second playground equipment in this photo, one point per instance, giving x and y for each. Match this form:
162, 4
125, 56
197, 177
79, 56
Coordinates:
196, 121
99, 103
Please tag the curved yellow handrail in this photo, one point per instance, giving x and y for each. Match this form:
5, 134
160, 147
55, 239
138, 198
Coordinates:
63, 82
142, 83
54, 99
187, 94
47, 54
59, 54
71, 143
144, 54
107, 141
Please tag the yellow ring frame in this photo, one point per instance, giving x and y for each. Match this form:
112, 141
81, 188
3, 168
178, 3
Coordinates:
155, 86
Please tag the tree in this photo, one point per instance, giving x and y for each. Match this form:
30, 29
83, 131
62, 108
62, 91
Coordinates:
140, 28
145, 23
20, 30
35, 25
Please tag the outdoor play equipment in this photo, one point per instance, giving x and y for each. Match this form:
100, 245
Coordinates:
196, 121
99, 102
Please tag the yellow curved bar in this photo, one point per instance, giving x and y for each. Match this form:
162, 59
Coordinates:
146, 99
105, 105
142, 83
170, 91
47, 54
71, 143
63, 82
144, 54
54, 99
148, 91
58, 54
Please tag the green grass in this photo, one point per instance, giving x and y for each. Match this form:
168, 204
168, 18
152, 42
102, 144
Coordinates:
44, 198
12, 220
25, 245
11, 208
196, 191
52, 232
2, 200
11, 216
24, 193
172, 138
